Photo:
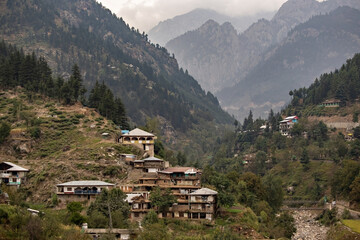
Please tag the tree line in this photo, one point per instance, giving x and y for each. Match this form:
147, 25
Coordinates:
35, 75
343, 84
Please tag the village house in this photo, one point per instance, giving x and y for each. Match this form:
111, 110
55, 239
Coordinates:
203, 204
139, 138
151, 164
128, 158
192, 201
140, 205
287, 124
146, 182
180, 177
200, 204
12, 174
81, 190
331, 103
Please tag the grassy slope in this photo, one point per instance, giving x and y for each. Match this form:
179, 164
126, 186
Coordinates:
340, 232
70, 146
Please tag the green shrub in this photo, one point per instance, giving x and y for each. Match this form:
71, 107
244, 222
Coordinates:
77, 218
79, 115
35, 132
4, 216
4, 131
328, 217
346, 214
74, 207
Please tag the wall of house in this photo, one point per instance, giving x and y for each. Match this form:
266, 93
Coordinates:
65, 198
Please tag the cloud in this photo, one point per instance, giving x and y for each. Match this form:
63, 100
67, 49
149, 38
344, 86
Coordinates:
144, 14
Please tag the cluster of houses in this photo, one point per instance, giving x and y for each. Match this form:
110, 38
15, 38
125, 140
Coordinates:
192, 201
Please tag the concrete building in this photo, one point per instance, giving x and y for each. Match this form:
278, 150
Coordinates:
287, 124
81, 190
203, 203
140, 139
12, 174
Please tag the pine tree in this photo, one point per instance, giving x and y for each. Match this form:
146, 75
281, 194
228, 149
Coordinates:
76, 82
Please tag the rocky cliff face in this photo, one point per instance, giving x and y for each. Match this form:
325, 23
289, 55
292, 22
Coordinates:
312, 48
214, 43
174, 27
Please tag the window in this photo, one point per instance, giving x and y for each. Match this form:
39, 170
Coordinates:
14, 179
69, 189
202, 215
136, 215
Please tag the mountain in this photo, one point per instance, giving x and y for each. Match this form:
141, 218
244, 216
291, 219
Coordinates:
249, 47
174, 27
145, 76
220, 42
319, 45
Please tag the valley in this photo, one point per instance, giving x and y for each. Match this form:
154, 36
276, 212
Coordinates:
103, 135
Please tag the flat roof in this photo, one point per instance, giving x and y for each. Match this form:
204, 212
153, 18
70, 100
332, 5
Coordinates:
85, 184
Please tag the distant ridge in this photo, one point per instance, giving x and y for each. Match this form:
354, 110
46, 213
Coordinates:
174, 27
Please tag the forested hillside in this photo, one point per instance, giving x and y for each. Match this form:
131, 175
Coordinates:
318, 160
342, 84
145, 76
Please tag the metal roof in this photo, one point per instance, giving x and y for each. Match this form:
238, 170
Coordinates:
130, 196
15, 167
291, 117
85, 184
153, 159
180, 169
204, 191
139, 133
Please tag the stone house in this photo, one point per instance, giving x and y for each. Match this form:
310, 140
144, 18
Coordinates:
151, 164
139, 138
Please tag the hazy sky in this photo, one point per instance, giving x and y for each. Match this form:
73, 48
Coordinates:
145, 14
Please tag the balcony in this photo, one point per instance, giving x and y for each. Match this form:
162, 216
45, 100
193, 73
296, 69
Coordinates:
185, 177
86, 192
13, 183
